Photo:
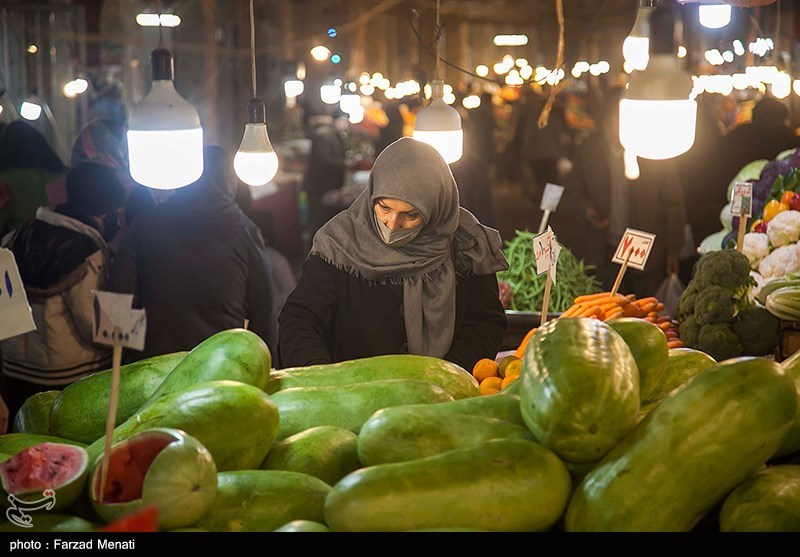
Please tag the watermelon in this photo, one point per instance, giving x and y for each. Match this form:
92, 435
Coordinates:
45, 471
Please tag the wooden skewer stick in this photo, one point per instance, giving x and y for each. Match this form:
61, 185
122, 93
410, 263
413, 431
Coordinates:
548, 284
113, 401
742, 230
622, 272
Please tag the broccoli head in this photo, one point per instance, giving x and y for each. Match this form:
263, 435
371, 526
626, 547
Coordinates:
719, 341
686, 301
758, 330
714, 304
688, 331
726, 268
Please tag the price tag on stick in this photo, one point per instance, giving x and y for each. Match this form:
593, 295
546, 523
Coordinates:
550, 199
117, 325
546, 250
742, 205
15, 312
632, 251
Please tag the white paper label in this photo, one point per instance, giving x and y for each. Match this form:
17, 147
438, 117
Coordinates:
16, 317
742, 203
638, 244
546, 250
551, 197
116, 323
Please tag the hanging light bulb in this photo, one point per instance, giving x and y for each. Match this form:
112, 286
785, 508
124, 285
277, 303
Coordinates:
256, 162
635, 47
656, 116
31, 108
438, 124
714, 16
165, 138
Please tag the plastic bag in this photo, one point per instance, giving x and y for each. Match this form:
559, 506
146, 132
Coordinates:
669, 293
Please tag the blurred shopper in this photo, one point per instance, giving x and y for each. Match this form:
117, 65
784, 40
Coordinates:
27, 164
403, 270
325, 169
599, 203
197, 264
62, 256
103, 141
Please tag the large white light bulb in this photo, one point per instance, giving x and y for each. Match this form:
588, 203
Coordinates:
439, 125
256, 162
714, 16
636, 46
165, 138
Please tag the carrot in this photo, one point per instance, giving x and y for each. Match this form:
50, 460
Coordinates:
599, 302
659, 306
520, 351
675, 344
590, 297
613, 314
665, 326
649, 300
572, 310
592, 311
647, 308
631, 310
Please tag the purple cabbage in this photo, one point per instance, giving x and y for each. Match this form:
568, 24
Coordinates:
772, 170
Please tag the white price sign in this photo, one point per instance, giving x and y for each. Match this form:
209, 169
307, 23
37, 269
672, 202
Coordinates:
15, 312
116, 323
551, 197
546, 250
742, 202
635, 246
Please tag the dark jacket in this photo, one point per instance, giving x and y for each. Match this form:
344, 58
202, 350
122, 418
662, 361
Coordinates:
324, 173
656, 205
332, 316
61, 261
197, 265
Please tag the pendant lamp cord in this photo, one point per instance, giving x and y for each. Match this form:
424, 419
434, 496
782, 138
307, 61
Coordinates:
544, 117
438, 37
253, 47
160, 28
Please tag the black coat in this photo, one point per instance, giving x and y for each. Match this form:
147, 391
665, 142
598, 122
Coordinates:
198, 266
333, 316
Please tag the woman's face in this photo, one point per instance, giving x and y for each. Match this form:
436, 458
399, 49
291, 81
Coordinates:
396, 214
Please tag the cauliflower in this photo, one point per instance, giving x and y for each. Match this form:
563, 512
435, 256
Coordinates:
755, 247
784, 228
780, 262
760, 281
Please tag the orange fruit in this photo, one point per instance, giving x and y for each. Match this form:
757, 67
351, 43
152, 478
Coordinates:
508, 380
485, 367
491, 385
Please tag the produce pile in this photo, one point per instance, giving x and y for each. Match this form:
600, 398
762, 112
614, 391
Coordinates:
718, 312
606, 428
523, 290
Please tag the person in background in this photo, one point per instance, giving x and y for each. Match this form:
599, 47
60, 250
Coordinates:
103, 141
766, 136
404, 269
393, 130
197, 265
325, 169
27, 164
62, 255
603, 202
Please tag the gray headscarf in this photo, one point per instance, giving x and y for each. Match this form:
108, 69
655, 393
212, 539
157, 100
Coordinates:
451, 239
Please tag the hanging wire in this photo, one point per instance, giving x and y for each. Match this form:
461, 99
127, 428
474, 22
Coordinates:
438, 34
160, 27
544, 116
253, 47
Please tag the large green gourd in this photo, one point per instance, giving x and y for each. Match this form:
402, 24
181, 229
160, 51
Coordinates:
231, 355
413, 431
236, 422
791, 443
348, 406
79, 412
502, 485
264, 500
452, 378
689, 452
580, 388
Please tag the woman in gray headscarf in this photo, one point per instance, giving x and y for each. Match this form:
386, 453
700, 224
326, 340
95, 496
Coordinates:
404, 269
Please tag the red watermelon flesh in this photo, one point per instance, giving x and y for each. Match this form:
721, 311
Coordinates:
128, 465
42, 466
